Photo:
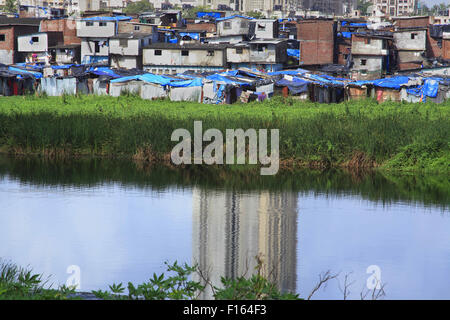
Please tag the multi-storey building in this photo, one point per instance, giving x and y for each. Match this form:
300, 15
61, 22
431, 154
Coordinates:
396, 7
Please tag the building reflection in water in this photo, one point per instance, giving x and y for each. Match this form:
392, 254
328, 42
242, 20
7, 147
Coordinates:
231, 228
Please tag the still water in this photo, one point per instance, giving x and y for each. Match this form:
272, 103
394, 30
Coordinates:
119, 222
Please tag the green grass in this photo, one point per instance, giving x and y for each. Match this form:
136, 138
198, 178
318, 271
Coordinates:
309, 132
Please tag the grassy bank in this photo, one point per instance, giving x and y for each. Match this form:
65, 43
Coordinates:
395, 136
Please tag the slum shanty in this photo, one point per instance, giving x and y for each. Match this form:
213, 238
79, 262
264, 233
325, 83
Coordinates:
224, 55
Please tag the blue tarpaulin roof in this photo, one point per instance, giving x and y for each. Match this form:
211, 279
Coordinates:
116, 18
235, 16
429, 88
208, 14
295, 85
346, 34
354, 24
19, 71
197, 82
161, 80
193, 35
34, 66
293, 53
222, 78
289, 72
390, 83
103, 71
65, 66
326, 80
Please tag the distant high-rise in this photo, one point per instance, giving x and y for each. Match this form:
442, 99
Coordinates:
330, 7
231, 228
396, 7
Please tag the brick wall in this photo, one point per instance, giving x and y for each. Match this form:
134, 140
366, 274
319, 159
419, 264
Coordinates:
208, 27
316, 41
413, 22
446, 49
8, 43
67, 26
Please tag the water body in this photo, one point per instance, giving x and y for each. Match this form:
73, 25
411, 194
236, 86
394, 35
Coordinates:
118, 222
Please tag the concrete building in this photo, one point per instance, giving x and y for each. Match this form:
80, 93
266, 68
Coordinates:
96, 28
330, 7
78, 6
264, 29
395, 7
168, 18
227, 39
444, 18
125, 50
34, 47
95, 50
231, 228
265, 55
434, 49
135, 27
10, 30
370, 54
411, 45
55, 10
95, 33
66, 53
179, 57
233, 25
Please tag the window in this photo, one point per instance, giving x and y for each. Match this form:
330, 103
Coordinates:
239, 50
210, 53
261, 47
97, 47
123, 43
158, 52
137, 28
368, 41
184, 53
413, 36
2, 37
227, 25
89, 23
102, 24
363, 62
34, 39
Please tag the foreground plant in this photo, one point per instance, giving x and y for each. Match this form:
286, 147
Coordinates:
175, 287
17, 283
179, 287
